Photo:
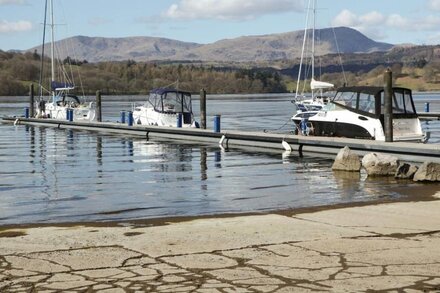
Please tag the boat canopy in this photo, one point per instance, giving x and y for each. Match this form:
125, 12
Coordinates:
320, 85
161, 91
170, 100
370, 100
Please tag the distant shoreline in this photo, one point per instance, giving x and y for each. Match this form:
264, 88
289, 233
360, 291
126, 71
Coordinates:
142, 97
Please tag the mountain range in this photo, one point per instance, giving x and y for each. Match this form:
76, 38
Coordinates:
283, 46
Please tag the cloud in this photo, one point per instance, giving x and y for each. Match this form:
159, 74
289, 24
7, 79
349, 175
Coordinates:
372, 18
428, 23
373, 24
230, 9
12, 2
434, 5
18, 26
368, 24
346, 18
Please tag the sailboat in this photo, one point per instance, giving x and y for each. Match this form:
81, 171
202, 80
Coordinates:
318, 99
62, 101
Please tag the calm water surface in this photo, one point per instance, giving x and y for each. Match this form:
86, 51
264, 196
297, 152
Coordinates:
51, 175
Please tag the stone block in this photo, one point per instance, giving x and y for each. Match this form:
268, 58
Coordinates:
428, 171
347, 160
377, 164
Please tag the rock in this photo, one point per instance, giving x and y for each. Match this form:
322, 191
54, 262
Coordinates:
428, 171
406, 171
379, 164
346, 160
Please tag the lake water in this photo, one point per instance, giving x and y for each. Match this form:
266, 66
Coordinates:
52, 175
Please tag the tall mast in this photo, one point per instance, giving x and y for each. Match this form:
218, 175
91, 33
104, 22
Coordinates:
313, 43
302, 51
52, 48
40, 80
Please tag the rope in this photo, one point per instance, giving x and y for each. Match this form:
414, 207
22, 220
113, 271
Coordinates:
339, 54
279, 128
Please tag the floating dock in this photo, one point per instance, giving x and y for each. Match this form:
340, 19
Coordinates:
411, 152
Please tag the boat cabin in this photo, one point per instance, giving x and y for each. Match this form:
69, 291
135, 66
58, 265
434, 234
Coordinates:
369, 101
67, 100
171, 101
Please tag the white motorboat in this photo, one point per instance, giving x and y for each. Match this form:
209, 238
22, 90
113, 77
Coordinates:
61, 101
164, 107
358, 112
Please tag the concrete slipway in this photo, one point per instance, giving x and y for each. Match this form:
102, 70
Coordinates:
391, 247
412, 152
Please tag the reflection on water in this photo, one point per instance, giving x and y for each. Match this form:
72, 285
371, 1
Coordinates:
62, 175
349, 182
52, 175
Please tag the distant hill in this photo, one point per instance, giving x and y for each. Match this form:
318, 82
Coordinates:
284, 46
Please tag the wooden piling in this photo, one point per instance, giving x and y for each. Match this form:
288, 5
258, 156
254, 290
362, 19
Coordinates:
388, 105
98, 106
31, 101
203, 109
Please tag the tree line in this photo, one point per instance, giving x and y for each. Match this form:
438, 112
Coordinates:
18, 70
417, 68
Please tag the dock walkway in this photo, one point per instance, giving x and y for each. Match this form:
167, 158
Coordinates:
406, 151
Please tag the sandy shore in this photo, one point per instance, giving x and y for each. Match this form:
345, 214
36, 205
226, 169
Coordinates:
390, 246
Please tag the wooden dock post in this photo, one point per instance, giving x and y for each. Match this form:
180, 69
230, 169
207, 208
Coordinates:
31, 101
388, 105
203, 109
98, 106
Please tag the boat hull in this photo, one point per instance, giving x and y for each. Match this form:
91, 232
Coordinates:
353, 125
80, 113
338, 129
148, 116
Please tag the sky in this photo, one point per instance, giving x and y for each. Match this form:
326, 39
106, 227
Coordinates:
207, 21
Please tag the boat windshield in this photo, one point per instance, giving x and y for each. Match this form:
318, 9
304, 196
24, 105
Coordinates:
347, 99
64, 100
